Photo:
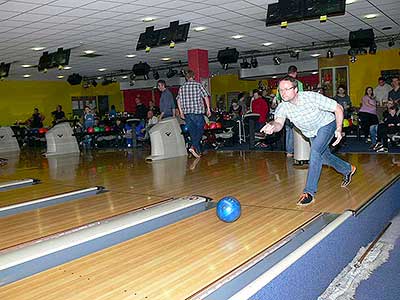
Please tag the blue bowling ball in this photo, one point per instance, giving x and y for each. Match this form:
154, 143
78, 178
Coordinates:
228, 209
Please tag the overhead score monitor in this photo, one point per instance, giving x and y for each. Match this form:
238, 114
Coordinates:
298, 10
291, 9
54, 60
176, 32
313, 9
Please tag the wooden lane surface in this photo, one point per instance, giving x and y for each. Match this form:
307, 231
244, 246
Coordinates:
33, 192
266, 179
38, 223
173, 262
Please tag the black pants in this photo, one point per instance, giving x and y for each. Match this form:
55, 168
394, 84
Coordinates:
366, 120
383, 131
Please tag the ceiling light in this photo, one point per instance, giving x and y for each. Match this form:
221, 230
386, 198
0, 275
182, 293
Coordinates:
124, 77
372, 49
353, 59
370, 16
199, 28
102, 69
67, 68
166, 58
361, 51
171, 73
315, 55
148, 19
391, 43
130, 55
89, 51
274, 76
238, 36
350, 1
329, 54
267, 44
245, 64
294, 54
26, 75
277, 60
38, 48
99, 78
26, 66
60, 76
254, 62
352, 52
156, 75
314, 73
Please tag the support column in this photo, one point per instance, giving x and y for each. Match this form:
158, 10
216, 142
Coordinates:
198, 62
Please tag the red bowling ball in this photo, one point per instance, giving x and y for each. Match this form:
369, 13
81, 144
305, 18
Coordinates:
90, 130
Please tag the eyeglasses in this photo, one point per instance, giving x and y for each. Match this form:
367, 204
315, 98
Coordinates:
286, 90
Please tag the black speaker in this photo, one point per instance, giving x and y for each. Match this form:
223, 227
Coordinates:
141, 69
228, 56
74, 79
4, 69
361, 38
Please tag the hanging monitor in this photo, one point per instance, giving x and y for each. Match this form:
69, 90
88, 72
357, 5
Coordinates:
313, 9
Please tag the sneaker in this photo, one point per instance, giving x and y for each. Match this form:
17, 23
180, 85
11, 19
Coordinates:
377, 146
194, 152
382, 150
305, 199
347, 178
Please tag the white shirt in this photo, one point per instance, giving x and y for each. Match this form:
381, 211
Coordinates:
310, 113
381, 92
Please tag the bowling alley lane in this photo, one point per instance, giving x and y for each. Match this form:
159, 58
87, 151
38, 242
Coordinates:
38, 223
33, 192
173, 262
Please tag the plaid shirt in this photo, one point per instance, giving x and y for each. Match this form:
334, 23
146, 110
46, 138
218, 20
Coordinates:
312, 112
191, 95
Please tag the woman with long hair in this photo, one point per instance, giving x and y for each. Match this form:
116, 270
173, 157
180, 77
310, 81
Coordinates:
367, 112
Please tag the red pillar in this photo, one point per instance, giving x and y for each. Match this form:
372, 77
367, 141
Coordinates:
198, 62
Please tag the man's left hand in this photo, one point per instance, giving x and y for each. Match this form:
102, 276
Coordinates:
338, 136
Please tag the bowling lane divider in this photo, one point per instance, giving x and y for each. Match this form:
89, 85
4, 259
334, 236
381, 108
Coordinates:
5, 186
50, 200
27, 259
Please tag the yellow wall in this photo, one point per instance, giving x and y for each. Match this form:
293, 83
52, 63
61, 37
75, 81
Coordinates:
222, 84
19, 98
365, 71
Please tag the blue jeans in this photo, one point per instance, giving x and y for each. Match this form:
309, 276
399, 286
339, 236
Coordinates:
321, 154
289, 141
195, 124
373, 132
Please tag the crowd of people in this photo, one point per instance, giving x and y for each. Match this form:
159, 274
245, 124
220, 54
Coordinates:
378, 113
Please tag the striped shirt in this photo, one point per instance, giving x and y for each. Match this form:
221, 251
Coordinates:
311, 112
191, 95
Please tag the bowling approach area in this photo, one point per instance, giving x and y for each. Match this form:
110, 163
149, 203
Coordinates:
109, 225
